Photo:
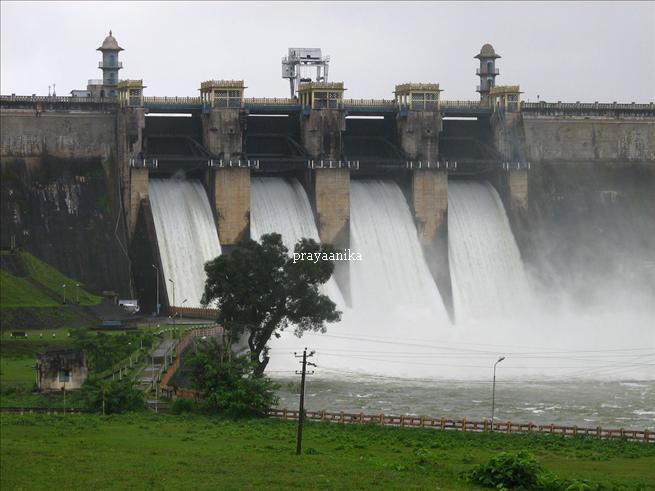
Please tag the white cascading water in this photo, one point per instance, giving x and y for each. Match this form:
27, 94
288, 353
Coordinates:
393, 294
186, 235
393, 273
281, 206
487, 274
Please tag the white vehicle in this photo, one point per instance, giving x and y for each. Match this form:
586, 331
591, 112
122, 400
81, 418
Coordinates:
132, 306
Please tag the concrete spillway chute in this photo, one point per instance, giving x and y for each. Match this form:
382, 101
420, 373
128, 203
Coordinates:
304, 65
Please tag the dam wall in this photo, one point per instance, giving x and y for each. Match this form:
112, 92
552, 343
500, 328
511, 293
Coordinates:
588, 218
589, 139
59, 134
70, 174
61, 194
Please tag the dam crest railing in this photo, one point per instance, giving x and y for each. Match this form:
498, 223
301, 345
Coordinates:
285, 104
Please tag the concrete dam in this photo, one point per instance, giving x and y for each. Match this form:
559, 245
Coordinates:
465, 212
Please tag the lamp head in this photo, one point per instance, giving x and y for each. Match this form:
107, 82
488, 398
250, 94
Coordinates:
500, 359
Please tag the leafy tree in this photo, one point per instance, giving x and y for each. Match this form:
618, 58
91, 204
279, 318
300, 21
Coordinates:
261, 290
104, 350
118, 396
228, 384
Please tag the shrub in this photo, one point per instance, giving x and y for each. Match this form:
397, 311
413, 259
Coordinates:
117, 396
183, 405
228, 383
508, 470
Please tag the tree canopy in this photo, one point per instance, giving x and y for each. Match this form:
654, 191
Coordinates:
260, 291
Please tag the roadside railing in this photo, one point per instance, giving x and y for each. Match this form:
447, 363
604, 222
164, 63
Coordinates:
270, 101
59, 99
171, 100
465, 425
369, 102
603, 106
167, 390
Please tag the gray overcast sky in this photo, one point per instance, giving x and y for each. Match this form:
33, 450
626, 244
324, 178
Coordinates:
576, 51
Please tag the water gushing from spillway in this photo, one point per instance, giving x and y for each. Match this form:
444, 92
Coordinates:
393, 273
397, 326
393, 293
281, 206
487, 274
186, 235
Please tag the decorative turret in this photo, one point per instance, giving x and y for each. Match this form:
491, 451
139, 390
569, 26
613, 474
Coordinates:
110, 65
487, 71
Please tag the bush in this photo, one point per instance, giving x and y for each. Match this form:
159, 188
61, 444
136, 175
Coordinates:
508, 470
119, 396
228, 383
183, 405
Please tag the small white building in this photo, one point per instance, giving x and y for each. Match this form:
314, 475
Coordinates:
61, 369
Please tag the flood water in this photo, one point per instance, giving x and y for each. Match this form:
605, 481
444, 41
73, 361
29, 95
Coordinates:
585, 403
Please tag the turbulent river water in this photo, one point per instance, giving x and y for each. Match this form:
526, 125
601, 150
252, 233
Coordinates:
616, 404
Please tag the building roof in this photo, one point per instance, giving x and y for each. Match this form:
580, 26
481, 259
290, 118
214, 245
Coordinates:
487, 51
505, 89
110, 44
416, 87
310, 86
222, 84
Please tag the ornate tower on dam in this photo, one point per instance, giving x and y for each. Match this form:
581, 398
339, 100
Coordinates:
487, 71
110, 65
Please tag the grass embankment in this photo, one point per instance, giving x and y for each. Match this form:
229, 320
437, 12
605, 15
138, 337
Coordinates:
18, 292
31, 295
146, 451
53, 280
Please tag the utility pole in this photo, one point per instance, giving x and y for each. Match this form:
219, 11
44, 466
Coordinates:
301, 410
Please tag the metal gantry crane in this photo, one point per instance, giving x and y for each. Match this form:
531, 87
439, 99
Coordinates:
301, 64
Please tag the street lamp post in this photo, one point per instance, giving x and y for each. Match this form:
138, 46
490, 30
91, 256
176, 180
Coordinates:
172, 283
77, 293
63, 287
157, 270
493, 393
183, 302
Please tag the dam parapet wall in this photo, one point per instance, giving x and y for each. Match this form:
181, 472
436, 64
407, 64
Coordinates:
608, 139
58, 133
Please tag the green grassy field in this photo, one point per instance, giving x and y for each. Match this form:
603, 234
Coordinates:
148, 451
